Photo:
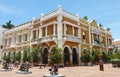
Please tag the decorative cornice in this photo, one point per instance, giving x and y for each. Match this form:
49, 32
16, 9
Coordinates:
21, 27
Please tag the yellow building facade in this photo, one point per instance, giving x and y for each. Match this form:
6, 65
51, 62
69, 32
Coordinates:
70, 32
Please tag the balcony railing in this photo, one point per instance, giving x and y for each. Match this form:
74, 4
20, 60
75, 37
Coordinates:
34, 41
84, 41
111, 46
55, 37
44, 39
48, 38
71, 38
96, 43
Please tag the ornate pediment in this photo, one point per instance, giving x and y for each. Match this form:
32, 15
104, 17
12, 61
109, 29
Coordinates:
94, 23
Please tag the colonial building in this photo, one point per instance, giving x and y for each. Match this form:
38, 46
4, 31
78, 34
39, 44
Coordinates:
1, 38
70, 32
117, 44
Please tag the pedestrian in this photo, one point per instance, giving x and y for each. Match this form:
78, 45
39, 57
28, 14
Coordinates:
101, 65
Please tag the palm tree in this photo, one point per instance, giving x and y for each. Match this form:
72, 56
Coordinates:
8, 25
108, 29
100, 25
85, 17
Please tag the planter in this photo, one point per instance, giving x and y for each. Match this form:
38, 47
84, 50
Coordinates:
35, 64
89, 64
85, 63
96, 63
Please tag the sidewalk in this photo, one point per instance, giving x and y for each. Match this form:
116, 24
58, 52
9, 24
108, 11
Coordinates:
78, 71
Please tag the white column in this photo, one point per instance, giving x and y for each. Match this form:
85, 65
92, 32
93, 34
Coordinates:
40, 32
79, 54
22, 52
12, 40
46, 32
22, 36
71, 58
54, 29
108, 40
73, 31
31, 36
79, 32
92, 37
90, 40
28, 35
59, 29
37, 34
16, 38
106, 43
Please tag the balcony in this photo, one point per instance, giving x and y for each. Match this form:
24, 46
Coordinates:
34, 41
98, 43
48, 38
44, 39
84, 41
110, 47
71, 38
12, 45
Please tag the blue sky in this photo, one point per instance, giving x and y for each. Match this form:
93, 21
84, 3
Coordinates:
106, 12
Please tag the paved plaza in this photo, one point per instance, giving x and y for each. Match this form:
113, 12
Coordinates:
76, 71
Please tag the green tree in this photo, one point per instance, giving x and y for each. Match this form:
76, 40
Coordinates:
96, 56
106, 57
116, 55
40, 53
86, 57
17, 56
100, 25
26, 55
56, 55
85, 17
35, 55
8, 25
108, 29
7, 58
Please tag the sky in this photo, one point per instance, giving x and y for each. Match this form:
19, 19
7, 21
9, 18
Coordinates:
106, 12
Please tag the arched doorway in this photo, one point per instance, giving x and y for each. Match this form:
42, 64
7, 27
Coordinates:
74, 56
45, 56
66, 56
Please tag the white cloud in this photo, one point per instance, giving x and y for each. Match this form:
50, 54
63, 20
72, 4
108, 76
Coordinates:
116, 40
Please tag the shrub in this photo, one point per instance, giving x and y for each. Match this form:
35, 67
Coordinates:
17, 56
56, 56
96, 56
6, 58
115, 62
35, 55
106, 57
86, 57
